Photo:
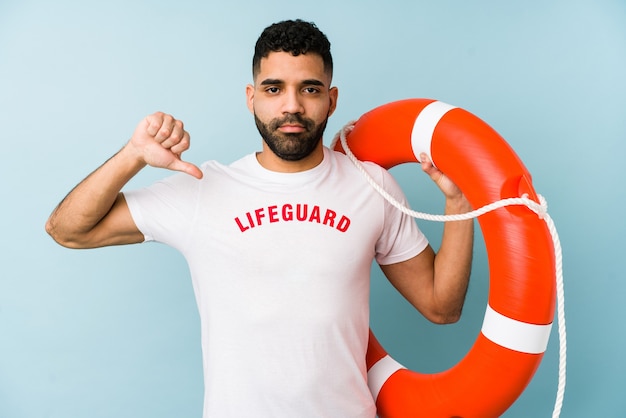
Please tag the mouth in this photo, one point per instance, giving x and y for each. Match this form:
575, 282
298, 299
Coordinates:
291, 128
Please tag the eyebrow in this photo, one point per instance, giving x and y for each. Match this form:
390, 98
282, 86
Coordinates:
275, 81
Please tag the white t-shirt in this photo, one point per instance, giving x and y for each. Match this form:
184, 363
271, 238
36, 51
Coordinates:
280, 265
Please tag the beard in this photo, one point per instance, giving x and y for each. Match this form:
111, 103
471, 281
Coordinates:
291, 146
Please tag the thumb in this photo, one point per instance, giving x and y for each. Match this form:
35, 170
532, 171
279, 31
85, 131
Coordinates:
185, 167
427, 165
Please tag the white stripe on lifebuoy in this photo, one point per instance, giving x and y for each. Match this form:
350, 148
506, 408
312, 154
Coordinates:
378, 374
424, 127
515, 335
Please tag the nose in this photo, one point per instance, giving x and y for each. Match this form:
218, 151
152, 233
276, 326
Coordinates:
292, 102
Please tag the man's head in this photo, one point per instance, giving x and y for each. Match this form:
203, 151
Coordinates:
295, 37
292, 98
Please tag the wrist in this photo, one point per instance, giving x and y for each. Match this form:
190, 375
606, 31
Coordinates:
457, 204
130, 155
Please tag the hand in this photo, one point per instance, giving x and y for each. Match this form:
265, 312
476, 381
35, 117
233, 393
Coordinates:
447, 186
159, 140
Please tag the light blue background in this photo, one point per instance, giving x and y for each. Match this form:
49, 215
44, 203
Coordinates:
114, 332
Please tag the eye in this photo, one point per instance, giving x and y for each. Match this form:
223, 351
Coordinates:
272, 90
311, 90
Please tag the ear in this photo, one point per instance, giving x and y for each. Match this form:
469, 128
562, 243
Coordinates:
250, 97
333, 94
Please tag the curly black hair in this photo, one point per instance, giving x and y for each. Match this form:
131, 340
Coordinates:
293, 36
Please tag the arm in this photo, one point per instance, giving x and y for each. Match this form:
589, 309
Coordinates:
436, 284
94, 213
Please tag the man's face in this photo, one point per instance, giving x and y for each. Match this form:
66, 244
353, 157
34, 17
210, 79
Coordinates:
291, 101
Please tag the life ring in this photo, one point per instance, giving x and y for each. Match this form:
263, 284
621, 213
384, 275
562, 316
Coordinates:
518, 319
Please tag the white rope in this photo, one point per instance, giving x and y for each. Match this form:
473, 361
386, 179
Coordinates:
541, 209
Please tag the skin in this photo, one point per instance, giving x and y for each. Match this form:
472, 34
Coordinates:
288, 85
95, 214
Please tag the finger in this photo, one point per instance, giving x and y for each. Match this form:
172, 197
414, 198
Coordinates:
433, 172
153, 123
177, 136
427, 165
181, 145
167, 127
185, 167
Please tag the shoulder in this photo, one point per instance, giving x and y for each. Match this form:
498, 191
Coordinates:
363, 169
344, 161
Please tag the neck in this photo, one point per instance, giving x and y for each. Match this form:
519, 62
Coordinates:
272, 162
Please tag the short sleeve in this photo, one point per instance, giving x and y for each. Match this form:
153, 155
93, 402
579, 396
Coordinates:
165, 211
401, 239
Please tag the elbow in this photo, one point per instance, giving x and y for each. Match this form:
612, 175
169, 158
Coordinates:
54, 234
58, 237
444, 317
51, 230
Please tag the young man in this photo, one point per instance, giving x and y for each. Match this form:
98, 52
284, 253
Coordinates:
279, 243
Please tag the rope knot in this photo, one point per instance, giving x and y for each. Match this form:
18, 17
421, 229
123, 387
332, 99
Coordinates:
543, 212
541, 208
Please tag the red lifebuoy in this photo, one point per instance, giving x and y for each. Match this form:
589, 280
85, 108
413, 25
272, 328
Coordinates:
520, 252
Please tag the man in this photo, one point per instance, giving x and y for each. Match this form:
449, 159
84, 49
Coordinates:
279, 243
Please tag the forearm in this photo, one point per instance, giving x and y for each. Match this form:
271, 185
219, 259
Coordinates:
90, 201
452, 265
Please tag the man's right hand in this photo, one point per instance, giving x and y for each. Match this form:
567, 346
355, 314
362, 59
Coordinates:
95, 213
159, 140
